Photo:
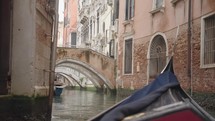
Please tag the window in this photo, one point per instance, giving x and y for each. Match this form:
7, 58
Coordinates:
129, 9
66, 21
91, 29
128, 57
73, 39
208, 41
157, 4
103, 27
157, 59
85, 33
116, 11
106, 36
111, 48
94, 27
98, 21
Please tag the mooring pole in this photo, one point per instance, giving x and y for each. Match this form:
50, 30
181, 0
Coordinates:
53, 59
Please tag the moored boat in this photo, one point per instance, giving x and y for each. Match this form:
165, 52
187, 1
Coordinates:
58, 90
58, 87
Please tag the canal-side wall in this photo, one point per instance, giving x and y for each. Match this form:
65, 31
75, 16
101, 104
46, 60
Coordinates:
21, 108
30, 50
23, 47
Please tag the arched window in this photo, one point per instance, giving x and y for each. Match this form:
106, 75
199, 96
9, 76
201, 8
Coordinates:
157, 56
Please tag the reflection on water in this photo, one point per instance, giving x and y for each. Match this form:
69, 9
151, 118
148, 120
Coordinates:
77, 105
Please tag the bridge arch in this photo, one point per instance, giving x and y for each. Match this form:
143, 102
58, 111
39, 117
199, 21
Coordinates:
97, 78
63, 70
67, 78
70, 78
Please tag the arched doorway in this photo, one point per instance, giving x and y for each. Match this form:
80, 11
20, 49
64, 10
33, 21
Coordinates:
157, 55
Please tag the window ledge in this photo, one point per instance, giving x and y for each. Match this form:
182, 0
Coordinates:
126, 22
127, 74
174, 2
204, 66
126, 34
156, 10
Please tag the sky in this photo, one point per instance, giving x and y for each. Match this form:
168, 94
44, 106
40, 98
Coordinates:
60, 11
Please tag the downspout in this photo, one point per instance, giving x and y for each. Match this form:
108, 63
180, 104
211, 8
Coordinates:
189, 35
53, 58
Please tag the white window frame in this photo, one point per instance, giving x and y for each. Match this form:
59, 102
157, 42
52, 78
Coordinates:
132, 65
202, 65
155, 9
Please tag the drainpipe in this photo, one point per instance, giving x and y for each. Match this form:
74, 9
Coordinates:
189, 35
53, 58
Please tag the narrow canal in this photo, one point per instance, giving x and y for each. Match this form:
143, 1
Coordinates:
77, 105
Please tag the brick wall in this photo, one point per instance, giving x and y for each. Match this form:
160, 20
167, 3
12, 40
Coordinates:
203, 80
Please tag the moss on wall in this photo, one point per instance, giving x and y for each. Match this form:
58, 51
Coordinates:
205, 100
21, 108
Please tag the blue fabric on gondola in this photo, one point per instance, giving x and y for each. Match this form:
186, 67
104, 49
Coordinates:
143, 97
161, 80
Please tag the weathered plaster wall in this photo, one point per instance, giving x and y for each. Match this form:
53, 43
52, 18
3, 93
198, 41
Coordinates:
31, 48
23, 47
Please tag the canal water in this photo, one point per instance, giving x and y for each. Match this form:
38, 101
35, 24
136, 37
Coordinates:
77, 105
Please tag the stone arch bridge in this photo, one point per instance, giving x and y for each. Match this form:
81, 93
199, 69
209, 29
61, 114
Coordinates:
99, 69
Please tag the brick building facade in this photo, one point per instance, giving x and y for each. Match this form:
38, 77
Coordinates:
152, 32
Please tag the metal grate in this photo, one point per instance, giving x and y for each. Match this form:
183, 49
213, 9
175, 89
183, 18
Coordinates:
209, 40
128, 56
157, 56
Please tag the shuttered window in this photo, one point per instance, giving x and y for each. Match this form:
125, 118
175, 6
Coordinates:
73, 39
128, 57
111, 48
91, 28
129, 9
209, 41
157, 56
